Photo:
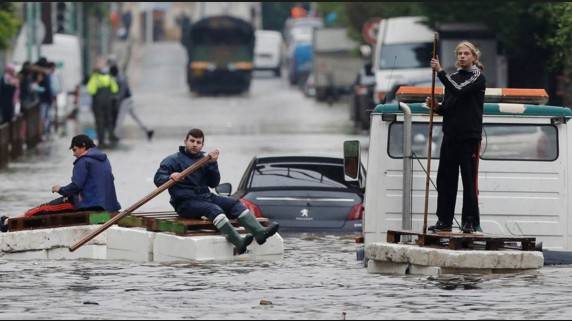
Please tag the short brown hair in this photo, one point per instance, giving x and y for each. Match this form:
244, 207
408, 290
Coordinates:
196, 133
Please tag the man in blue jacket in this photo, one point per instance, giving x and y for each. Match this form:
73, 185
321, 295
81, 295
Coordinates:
92, 185
191, 197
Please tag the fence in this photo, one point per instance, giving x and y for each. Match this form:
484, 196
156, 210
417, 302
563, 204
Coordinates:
23, 133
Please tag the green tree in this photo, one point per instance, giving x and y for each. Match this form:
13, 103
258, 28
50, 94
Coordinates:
523, 29
9, 23
561, 38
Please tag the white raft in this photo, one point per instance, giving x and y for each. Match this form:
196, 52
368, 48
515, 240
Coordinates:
386, 258
133, 244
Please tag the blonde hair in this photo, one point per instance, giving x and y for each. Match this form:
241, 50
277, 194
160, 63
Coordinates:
474, 50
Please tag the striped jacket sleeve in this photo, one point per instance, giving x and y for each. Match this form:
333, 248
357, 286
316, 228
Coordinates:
472, 84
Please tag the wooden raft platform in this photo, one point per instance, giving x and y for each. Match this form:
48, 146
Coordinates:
462, 241
167, 222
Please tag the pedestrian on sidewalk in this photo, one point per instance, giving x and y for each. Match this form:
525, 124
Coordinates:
462, 111
103, 89
45, 96
126, 105
191, 197
9, 85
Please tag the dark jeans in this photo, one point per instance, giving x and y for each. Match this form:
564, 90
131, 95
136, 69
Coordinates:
455, 154
211, 206
103, 112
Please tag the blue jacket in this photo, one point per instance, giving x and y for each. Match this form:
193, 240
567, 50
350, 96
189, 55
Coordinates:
194, 186
92, 183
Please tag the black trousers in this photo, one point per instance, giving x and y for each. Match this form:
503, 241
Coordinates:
455, 154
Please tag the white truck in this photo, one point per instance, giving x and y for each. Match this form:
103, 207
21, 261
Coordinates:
402, 54
337, 60
525, 187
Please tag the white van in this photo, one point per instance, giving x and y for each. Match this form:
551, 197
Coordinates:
268, 51
402, 54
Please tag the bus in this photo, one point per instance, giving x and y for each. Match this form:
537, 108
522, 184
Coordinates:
220, 55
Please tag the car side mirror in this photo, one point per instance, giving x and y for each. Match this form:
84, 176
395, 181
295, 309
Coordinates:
351, 159
224, 189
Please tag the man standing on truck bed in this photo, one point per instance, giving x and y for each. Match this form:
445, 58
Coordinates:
462, 111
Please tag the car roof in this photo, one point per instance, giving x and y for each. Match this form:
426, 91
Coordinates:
299, 158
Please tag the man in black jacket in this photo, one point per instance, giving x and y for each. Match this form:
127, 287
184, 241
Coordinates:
192, 198
462, 111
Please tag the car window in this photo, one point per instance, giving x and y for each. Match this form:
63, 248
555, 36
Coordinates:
298, 175
403, 56
523, 142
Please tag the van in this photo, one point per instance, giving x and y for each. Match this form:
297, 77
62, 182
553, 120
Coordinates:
402, 54
268, 51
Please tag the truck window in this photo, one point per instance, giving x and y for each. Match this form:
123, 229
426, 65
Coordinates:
520, 142
409, 55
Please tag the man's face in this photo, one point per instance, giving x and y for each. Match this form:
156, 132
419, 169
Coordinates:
78, 151
194, 145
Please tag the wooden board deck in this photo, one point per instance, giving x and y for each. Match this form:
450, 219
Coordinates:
166, 222
56, 220
463, 241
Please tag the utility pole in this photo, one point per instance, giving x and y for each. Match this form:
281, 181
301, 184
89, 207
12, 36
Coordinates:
29, 32
36, 17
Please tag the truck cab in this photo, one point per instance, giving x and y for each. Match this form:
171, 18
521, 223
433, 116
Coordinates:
524, 185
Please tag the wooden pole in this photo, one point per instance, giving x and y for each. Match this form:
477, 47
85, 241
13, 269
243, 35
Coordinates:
430, 140
200, 163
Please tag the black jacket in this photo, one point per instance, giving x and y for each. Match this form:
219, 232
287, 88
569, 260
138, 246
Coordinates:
194, 186
462, 107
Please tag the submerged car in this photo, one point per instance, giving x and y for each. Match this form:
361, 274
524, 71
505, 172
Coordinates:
301, 193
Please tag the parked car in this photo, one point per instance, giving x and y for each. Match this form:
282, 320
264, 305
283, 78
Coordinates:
336, 60
402, 53
362, 102
301, 193
268, 51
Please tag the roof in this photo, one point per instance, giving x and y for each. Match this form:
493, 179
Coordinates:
298, 158
493, 109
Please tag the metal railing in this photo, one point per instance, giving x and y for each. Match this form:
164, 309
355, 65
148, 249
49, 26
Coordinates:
22, 133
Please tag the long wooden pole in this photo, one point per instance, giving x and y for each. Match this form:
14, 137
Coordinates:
430, 140
200, 163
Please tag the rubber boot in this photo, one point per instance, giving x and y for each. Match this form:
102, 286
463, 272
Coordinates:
260, 232
4, 224
240, 243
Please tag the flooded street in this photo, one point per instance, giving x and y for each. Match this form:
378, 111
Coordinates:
318, 277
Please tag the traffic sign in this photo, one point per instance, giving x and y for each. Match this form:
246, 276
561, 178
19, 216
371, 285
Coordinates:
370, 29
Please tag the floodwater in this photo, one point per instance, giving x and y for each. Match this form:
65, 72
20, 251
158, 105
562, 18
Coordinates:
318, 277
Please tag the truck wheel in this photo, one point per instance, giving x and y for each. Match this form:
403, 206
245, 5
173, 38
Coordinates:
278, 72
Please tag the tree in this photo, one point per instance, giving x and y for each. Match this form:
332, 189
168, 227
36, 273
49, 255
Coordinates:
522, 28
9, 24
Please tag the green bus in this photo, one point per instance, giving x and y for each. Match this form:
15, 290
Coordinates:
221, 54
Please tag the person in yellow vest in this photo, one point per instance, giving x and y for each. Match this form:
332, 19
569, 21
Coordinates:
103, 89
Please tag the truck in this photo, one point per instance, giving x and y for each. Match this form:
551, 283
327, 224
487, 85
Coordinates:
525, 186
220, 55
336, 61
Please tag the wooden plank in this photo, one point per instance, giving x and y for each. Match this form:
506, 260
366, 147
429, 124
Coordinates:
48, 221
458, 241
393, 237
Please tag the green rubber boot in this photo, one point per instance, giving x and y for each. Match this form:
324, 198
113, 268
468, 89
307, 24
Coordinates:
240, 243
260, 232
